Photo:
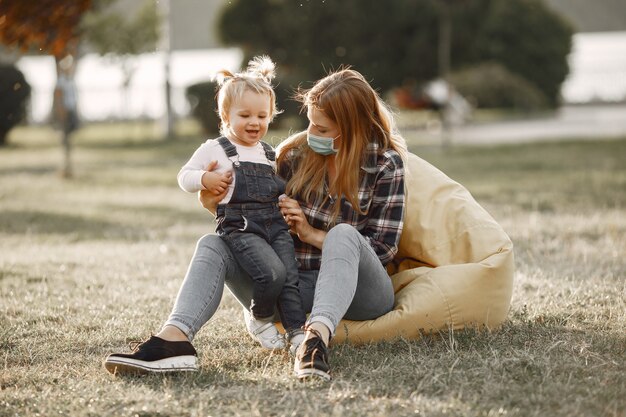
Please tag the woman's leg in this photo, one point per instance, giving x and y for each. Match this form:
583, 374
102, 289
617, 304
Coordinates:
352, 282
198, 299
201, 291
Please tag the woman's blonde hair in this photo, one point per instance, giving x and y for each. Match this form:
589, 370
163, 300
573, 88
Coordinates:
257, 77
346, 98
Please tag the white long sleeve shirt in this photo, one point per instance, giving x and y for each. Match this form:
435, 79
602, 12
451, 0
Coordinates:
190, 175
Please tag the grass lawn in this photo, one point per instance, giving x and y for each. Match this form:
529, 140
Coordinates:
89, 264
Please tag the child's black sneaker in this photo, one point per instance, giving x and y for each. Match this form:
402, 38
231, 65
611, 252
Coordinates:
312, 359
153, 355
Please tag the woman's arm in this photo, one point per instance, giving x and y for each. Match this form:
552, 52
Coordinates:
386, 211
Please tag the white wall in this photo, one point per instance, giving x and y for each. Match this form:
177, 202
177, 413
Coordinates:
597, 68
100, 83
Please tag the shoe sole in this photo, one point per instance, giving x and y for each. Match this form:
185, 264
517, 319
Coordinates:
312, 372
125, 366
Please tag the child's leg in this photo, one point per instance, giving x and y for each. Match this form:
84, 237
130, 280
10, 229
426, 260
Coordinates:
265, 268
267, 273
289, 301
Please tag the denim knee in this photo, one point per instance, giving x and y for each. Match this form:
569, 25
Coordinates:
341, 231
210, 240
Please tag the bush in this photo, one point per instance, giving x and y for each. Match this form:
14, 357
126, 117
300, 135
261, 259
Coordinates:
201, 97
491, 85
291, 117
14, 94
529, 39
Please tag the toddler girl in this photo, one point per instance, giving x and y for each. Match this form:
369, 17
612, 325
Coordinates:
248, 217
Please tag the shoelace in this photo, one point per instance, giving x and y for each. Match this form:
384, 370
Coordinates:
312, 330
134, 345
312, 344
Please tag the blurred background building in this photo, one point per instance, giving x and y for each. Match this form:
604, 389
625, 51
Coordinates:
598, 58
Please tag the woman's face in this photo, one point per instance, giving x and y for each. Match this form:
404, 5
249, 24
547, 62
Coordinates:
321, 125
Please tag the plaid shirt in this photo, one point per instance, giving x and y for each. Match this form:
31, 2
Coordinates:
381, 198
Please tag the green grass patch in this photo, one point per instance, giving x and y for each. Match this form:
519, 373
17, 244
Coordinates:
92, 263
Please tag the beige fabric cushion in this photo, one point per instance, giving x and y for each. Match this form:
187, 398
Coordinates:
454, 267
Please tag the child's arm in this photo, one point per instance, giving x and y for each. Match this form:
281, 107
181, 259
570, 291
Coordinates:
215, 183
209, 200
191, 175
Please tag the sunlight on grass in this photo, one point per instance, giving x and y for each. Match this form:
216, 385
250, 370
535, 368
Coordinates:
90, 264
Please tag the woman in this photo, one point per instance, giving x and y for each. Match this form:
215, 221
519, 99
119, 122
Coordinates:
345, 179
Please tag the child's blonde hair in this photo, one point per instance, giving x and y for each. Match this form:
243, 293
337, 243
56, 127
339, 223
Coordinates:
257, 77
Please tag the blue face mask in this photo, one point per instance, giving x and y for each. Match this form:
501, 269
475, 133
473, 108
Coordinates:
321, 145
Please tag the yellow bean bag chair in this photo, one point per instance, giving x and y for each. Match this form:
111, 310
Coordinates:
454, 267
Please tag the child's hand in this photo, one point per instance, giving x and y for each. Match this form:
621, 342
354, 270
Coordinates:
215, 183
209, 199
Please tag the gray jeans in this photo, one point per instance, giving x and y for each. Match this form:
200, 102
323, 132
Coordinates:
351, 283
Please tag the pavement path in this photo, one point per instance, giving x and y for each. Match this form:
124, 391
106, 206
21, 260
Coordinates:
569, 122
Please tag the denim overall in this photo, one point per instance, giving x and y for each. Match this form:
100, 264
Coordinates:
256, 232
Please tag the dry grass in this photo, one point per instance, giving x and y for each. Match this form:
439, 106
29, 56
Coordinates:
89, 264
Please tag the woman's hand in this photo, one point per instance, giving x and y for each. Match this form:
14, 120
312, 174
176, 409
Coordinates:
208, 198
298, 224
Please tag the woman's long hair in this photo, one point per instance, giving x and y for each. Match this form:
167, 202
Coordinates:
362, 117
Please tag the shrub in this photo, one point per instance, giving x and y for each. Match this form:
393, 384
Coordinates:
14, 94
201, 97
291, 116
491, 85
529, 39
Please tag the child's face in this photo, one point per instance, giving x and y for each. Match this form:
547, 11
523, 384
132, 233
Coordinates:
249, 118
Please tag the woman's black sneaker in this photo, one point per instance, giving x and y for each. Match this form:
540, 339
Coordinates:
312, 359
153, 355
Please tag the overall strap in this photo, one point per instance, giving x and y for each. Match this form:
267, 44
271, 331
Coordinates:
270, 154
228, 147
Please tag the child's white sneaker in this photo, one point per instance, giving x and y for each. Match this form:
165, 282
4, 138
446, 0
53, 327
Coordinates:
263, 331
295, 339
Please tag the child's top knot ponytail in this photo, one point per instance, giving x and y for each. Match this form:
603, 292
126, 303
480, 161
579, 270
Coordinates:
263, 67
222, 76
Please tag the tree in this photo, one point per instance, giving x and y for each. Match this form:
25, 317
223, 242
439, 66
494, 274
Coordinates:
47, 26
44, 26
122, 38
529, 40
395, 42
